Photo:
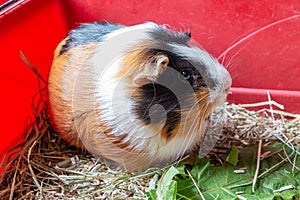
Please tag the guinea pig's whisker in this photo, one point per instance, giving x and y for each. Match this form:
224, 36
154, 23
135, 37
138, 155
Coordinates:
197, 116
194, 127
197, 103
250, 35
234, 73
228, 63
189, 113
172, 108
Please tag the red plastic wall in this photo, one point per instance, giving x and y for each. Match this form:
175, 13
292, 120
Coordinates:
35, 28
267, 60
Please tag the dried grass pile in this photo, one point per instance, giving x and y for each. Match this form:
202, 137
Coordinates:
45, 167
244, 127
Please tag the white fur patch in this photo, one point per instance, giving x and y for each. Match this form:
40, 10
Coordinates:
112, 95
113, 98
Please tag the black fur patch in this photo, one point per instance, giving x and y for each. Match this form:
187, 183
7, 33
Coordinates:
153, 95
168, 36
179, 64
171, 91
89, 32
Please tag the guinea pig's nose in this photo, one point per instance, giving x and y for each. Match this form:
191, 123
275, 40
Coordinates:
228, 82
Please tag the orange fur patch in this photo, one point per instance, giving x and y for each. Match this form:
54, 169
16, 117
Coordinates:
64, 72
116, 140
169, 136
134, 60
61, 100
203, 106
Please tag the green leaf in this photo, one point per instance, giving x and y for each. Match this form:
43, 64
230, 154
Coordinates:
222, 183
152, 194
168, 186
233, 156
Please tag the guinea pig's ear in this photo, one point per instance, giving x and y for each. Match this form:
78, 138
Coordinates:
189, 34
151, 70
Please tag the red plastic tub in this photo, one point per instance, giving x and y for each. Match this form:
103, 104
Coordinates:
258, 41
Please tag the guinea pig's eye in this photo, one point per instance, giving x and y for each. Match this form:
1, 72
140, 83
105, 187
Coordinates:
187, 74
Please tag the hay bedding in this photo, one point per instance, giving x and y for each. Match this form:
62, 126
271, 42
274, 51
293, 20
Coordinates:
45, 167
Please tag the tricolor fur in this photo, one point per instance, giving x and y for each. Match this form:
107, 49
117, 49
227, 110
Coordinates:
118, 92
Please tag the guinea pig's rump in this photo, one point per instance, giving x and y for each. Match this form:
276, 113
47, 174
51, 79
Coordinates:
62, 77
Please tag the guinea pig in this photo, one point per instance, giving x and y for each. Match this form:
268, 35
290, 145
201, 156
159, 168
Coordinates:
137, 96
